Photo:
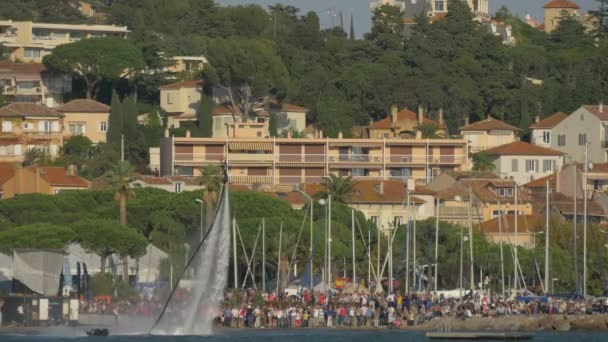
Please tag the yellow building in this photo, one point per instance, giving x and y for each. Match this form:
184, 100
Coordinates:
181, 101
86, 117
31, 82
489, 133
39, 179
30, 42
503, 229
26, 126
294, 161
555, 9
404, 124
180, 64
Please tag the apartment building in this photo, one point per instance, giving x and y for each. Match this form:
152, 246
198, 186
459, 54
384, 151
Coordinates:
289, 161
26, 126
31, 82
30, 42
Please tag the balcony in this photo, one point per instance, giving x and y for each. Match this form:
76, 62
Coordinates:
42, 135
8, 37
355, 158
13, 90
251, 179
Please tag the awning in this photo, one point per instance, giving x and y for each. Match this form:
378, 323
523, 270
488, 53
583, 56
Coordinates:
27, 77
250, 146
248, 163
292, 164
355, 144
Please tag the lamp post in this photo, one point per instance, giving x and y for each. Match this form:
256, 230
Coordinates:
202, 203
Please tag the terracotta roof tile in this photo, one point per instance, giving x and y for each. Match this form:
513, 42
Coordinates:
485, 190
27, 109
542, 182
565, 205
287, 107
58, 176
595, 110
550, 121
403, 115
83, 106
532, 223
183, 84
224, 110
489, 124
520, 148
559, 4
294, 198
368, 191
7, 171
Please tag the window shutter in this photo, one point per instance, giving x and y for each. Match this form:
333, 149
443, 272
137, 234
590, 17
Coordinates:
55, 126
18, 149
84, 129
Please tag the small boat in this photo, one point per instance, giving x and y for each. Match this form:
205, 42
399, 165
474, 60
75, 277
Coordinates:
473, 335
98, 332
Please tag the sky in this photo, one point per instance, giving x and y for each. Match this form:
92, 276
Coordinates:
362, 14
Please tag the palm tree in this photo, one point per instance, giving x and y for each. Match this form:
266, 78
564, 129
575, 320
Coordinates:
35, 156
210, 179
482, 162
339, 187
120, 177
428, 130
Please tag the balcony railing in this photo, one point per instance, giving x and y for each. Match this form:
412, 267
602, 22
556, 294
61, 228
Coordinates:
321, 158
13, 90
251, 179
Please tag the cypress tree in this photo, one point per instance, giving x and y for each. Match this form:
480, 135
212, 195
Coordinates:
352, 28
115, 123
129, 114
205, 120
272, 125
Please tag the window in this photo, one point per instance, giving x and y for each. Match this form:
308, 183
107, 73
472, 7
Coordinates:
32, 53
505, 192
397, 220
103, 126
375, 220
170, 98
546, 137
582, 138
27, 125
597, 184
515, 165
77, 128
531, 165
548, 165
178, 187
561, 140
60, 35
439, 6
7, 126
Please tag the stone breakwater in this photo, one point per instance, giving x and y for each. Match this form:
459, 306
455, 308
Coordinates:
523, 323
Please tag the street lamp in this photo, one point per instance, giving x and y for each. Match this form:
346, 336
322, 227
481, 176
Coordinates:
311, 201
553, 283
202, 203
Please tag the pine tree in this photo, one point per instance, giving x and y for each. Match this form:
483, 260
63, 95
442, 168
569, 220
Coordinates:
601, 15
129, 114
115, 124
205, 120
352, 28
272, 125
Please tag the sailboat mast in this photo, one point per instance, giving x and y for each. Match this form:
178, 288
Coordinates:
329, 279
547, 241
515, 259
235, 264
263, 255
585, 221
436, 242
353, 245
279, 263
470, 223
574, 230
502, 258
407, 245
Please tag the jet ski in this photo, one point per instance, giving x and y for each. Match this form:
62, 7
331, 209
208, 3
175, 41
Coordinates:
98, 332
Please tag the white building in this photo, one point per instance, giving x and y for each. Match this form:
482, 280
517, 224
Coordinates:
541, 129
524, 162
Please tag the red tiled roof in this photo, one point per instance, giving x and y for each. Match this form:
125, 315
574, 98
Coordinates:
550, 121
403, 115
83, 106
542, 182
595, 110
525, 224
294, 198
559, 4
58, 176
27, 109
224, 110
183, 84
520, 148
489, 124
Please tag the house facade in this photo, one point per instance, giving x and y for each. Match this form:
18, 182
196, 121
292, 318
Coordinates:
502, 229
524, 162
181, 101
31, 82
86, 117
405, 124
488, 133
541, 129
30, 42
585, 126
556, 8
289, 117
43, 180
26, 126
290, 161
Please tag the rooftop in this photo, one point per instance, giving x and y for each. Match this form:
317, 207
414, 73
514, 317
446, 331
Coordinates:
561, 4
83, 106
224, 109
371, 191
403, 115
525, 224
58, 176
490, 124
600, 111
550, 121
183, 84
27, 109
521, 148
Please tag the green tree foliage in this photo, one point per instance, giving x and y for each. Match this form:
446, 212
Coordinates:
36, 236
106, 237
115, 125
205, 118
272, 125
482, 162
77, 150
95, 60
387, 28
35, 156
340, 188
